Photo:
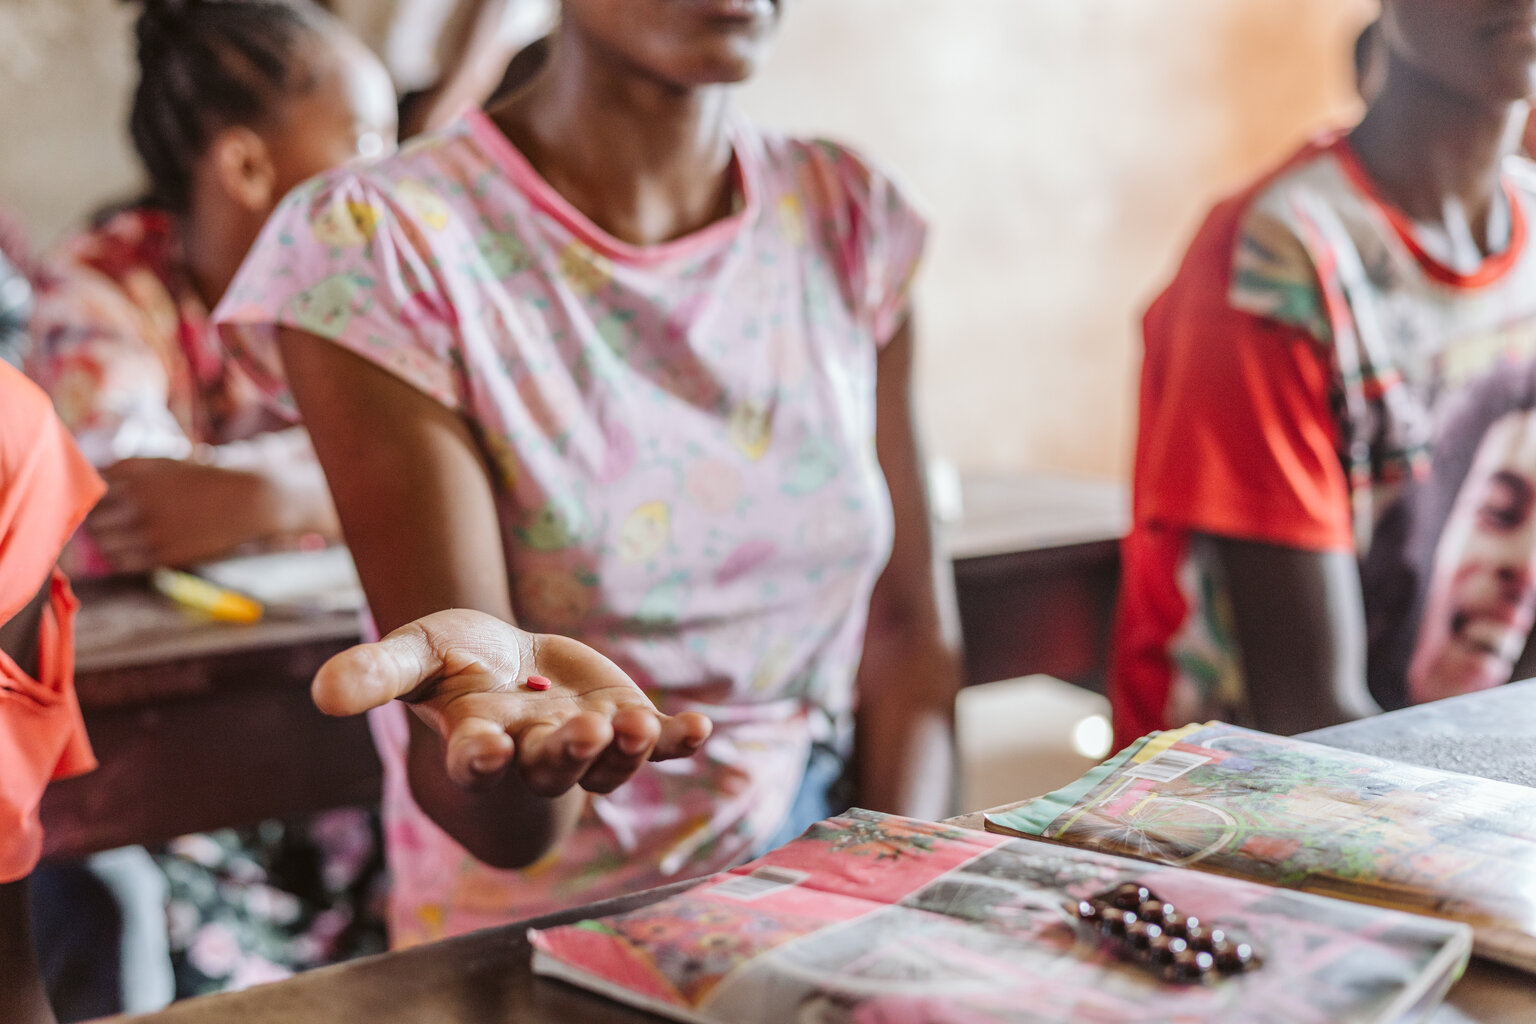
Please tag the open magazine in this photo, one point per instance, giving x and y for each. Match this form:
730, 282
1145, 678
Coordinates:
877, 919
1290, 813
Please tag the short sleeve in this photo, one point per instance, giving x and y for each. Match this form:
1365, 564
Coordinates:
1237, 432
355, 260
1273, 275
46, 488
876, 233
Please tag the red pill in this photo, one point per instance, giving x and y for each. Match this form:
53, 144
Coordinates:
538, 683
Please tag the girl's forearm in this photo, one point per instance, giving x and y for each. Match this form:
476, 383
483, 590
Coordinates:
904, 742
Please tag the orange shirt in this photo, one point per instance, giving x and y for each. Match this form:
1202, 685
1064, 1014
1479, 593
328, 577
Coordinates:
46, 488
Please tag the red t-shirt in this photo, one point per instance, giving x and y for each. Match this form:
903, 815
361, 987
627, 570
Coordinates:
46, 487
1298, 372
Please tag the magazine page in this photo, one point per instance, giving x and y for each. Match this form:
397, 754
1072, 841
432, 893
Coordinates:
876, 919
1301, 815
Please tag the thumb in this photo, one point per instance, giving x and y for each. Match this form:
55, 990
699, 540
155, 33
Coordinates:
371, 675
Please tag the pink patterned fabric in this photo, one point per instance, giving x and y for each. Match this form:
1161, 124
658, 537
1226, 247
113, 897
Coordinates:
683, 442
123, 347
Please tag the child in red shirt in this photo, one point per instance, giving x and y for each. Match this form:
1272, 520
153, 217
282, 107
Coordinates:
1334, 501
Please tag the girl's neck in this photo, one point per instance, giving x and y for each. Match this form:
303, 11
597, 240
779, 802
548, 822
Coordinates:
213, 248
1437, 156
645, 160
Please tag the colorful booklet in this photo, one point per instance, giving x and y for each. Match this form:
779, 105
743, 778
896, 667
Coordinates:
1290, 813
876, 919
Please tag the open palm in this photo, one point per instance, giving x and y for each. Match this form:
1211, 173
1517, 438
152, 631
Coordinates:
464, 673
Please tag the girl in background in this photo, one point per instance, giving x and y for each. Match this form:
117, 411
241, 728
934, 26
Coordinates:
237, 102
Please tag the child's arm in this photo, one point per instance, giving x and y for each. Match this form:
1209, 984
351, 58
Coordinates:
910, 669
22, 998
419, 508
178, 511
1300, 622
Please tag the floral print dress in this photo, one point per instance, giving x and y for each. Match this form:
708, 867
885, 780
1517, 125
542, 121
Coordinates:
682, 443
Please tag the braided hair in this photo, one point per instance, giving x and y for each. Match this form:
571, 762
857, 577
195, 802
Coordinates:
205, 65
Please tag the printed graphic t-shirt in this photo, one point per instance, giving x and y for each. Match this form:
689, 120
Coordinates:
46, 487
682, 443
1314, 379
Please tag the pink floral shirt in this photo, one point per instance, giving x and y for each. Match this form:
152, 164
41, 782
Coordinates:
682, 437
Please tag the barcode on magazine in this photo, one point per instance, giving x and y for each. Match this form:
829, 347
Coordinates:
759, 883
1167, 766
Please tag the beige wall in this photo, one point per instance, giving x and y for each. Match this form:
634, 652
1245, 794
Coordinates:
65, 68
1065, 149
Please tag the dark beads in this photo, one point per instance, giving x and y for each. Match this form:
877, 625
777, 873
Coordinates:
1129, 896
1175, 923
1141, 933
1235, 958
1114, 922
1179, 947
1184, 969
1164, 948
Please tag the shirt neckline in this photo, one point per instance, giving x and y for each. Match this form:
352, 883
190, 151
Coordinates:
1493, 266
528, 180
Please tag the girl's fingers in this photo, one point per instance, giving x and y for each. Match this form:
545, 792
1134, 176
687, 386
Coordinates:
126, 551
113, 515
553, 758
635, 732
460, 671
681, 735
478, 751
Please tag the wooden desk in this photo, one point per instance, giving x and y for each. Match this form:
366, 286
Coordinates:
1037, 567
486, 978
201, 725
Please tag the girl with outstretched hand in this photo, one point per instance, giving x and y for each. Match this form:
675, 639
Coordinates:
610, 362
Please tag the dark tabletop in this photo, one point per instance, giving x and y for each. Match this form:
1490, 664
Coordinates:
486, 977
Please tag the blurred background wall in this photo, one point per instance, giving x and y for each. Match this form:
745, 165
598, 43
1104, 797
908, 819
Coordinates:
1064, 148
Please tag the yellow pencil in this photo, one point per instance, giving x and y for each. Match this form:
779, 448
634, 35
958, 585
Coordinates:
199, 595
